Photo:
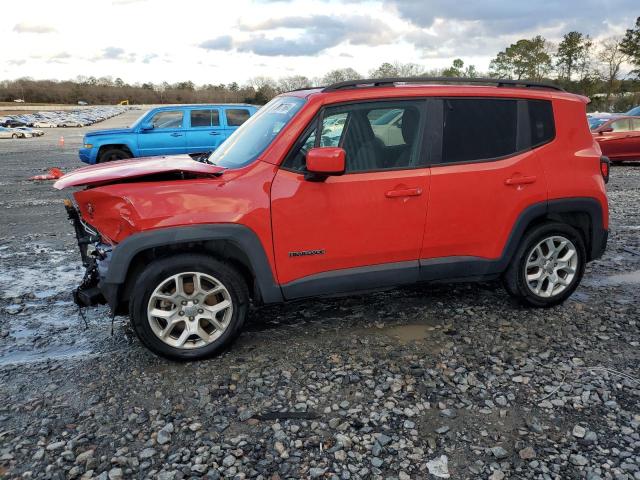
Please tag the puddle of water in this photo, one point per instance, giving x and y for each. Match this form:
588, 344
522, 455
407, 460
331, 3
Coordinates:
43, 283
32, 356
619, 279
408, 333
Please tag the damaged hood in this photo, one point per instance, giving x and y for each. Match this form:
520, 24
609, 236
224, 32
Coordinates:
112, 172
108, 131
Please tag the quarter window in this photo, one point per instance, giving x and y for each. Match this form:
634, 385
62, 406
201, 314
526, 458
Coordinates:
541, 122
237, 116
205, 118
172, 119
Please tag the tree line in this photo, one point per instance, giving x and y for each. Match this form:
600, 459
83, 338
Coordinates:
577, 63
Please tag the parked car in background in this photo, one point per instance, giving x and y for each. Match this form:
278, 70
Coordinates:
619, 138
8, 133
280, 212
12, 122
21, 133
33, 131
191, 129
44, 124
634, 112
71, 123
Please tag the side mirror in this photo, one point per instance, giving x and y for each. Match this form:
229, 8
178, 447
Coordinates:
605, 130
323, 162
146, 127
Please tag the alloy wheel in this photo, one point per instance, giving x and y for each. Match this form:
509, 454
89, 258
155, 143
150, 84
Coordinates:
551, 266
189, 310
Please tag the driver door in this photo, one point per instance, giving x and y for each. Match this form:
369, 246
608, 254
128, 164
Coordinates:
362, 229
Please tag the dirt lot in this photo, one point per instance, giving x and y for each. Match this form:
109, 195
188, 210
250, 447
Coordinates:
382, 386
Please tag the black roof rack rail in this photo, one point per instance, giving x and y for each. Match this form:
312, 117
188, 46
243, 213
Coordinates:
390, 82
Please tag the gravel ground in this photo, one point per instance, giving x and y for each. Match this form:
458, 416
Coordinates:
447, 381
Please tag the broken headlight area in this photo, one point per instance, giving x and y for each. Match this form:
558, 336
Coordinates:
95, 257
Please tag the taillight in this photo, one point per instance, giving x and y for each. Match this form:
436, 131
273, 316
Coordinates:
605, 165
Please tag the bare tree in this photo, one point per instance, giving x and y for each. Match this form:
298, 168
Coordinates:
611, 59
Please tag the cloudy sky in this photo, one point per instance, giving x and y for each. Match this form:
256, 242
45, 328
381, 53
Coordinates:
234, 40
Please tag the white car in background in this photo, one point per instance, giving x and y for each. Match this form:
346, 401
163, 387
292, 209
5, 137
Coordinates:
33, 131
44, 124
20, 133
8, 133
70, 123
388, 127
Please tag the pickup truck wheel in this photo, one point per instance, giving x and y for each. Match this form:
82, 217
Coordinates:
548, 265
188, 306
112, 154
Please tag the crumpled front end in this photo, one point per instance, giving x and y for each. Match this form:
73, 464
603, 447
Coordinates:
95, 255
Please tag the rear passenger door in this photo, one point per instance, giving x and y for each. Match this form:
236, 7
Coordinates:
483, 176
234, 117
204, 133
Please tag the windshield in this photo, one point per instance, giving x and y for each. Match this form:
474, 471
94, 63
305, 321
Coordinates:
139, 119
596, 122
255, 135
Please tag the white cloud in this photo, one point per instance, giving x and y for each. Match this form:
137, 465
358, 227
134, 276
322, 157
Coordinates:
221, 42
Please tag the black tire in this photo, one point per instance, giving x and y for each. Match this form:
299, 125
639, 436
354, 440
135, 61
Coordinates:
113, 154
15, 135
157, 272
514, 277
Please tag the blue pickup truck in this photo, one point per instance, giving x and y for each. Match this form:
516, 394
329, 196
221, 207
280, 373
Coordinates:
167, 130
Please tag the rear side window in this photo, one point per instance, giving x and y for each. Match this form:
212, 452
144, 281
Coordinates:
479, 129
483, 129
635, 124
205, 118
237, 116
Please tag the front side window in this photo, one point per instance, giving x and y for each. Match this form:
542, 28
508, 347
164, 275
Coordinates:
255, 135
479, 129
237, 116
620, 126
171, 119
205, 118
370, 144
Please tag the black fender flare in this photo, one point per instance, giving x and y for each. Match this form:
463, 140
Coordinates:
242, 236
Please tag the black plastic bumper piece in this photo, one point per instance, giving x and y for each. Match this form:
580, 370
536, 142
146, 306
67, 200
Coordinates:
88, 296
599, 244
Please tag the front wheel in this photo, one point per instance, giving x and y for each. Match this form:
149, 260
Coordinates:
188, 306
14, 135
548, 265
113, 154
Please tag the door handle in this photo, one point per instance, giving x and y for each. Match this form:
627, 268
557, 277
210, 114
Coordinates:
176, 134
406, 192
520, 180
214, 133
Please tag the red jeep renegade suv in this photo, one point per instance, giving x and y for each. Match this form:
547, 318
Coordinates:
356, 186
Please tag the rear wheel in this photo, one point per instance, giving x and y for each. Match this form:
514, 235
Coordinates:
548, 265
189, 306
15, 135
112, 154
